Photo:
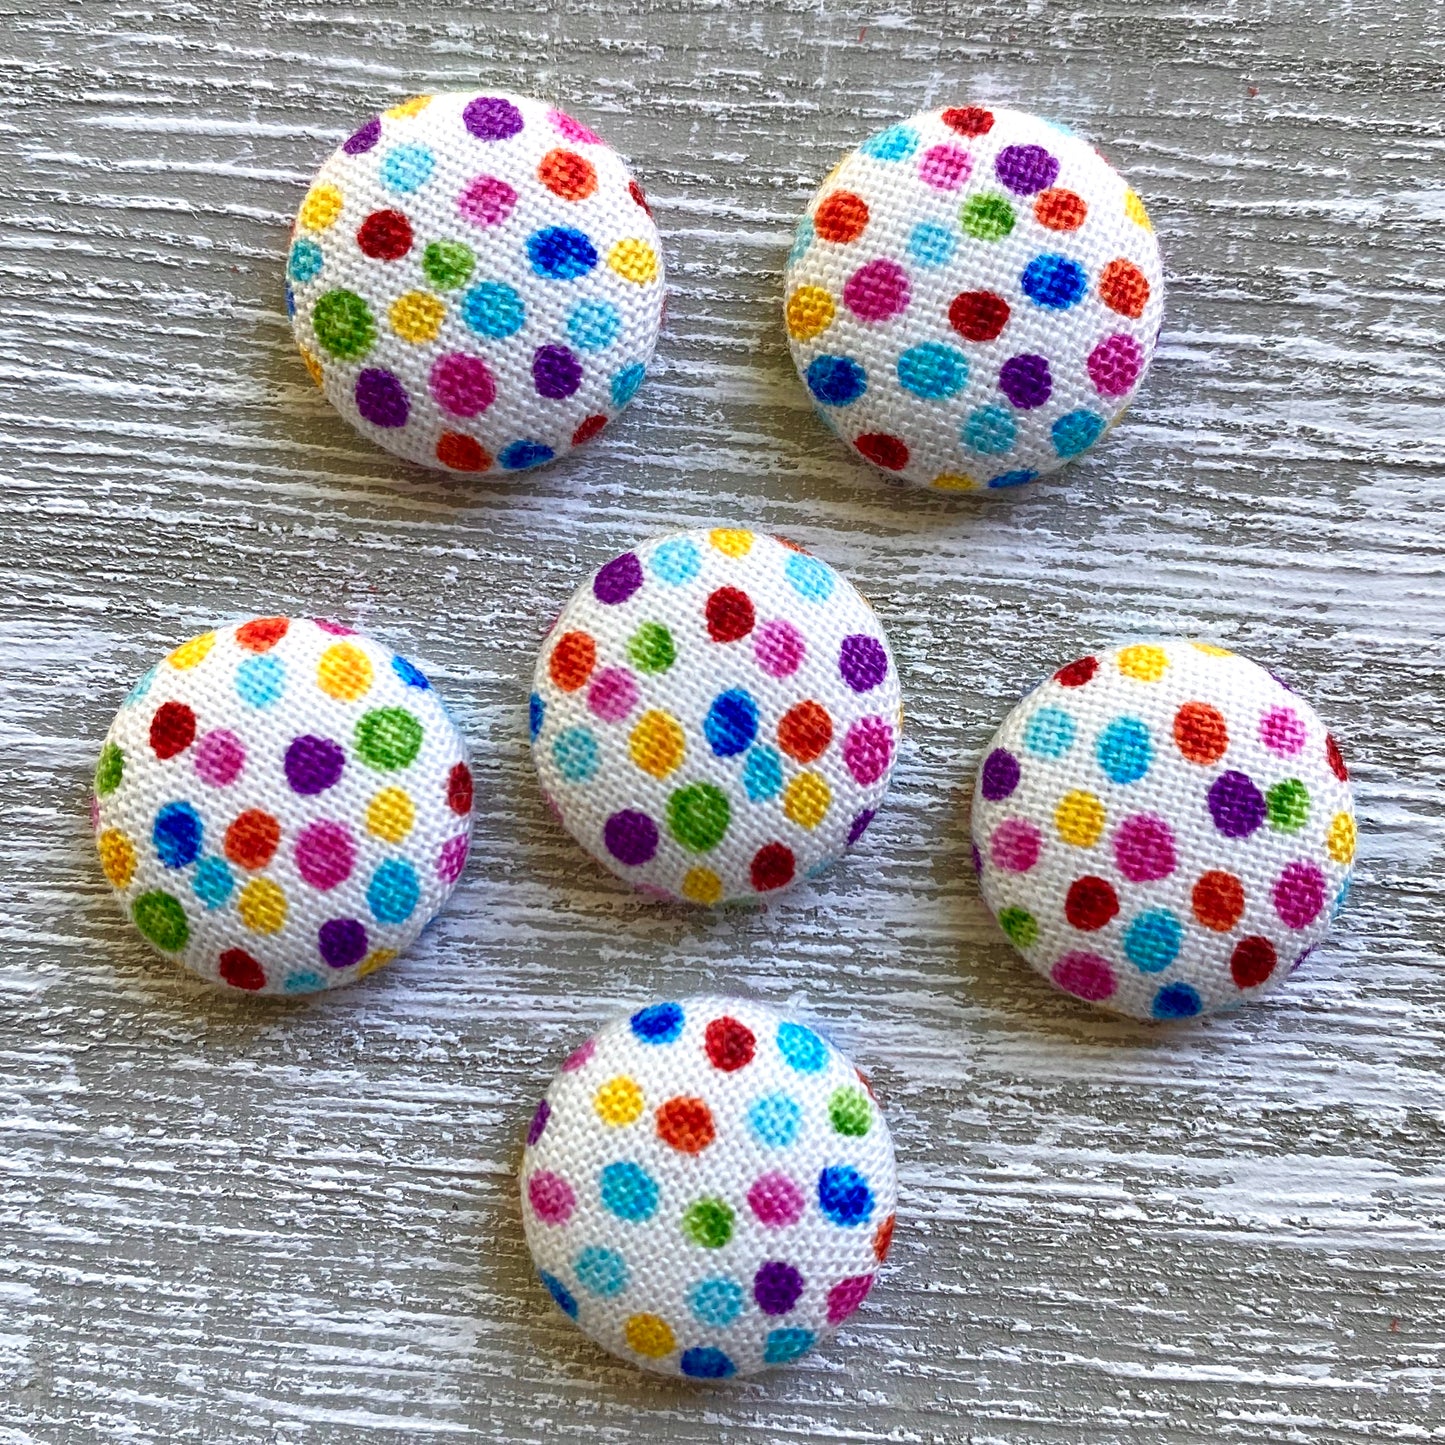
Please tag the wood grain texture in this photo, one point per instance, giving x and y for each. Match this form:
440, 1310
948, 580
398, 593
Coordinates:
224, 1222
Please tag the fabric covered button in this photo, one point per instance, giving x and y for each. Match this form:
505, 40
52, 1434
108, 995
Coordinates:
282, 805
1164, 829
476, 281
708, 1188
715, 715
973, 297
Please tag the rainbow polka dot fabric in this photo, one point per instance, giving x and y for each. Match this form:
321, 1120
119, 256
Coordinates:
282, 805
715, 715
476, 281
1164, 829
973, 297
708, 1188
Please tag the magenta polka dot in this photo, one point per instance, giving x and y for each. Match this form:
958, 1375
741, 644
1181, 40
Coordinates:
1085, 975
1144, 848
462, 385
779, 648
452, 858
613, 694
945, 168
846, 1296
219, 758
488, 201
1299, 895
776, 1201
868, 749
877, 291
1282, 731
325, 854
551, 1197
1015, 845
1114, 364
579, 1056
574, 130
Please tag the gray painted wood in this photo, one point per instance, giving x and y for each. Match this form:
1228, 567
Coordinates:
226, 1222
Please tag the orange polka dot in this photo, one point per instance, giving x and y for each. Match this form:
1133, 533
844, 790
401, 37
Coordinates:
1124, 288
572, 660
261, 634
1200, 732
1218, 901
841, 217
567, 174
685, 1125
1060, 210
252, 839
805, 731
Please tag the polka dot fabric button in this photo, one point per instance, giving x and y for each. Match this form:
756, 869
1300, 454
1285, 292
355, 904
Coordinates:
475, 281
715, 715
708, 1188
1164, 829
973, 297
282, 805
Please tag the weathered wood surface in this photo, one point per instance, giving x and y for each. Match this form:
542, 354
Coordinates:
225, 1222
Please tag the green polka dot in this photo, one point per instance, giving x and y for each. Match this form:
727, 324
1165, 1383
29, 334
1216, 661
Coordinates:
162, 919
708, 1222
109, 769
698, 816
343, 324
850, 1112
447, 263
651, 648
987, 217
388, 738
1288, 805
1020, 925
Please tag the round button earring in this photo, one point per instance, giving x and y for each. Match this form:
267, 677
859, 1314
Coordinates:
715, 715
1164, 829
973, 298
708, 1188
282, 805
476, 281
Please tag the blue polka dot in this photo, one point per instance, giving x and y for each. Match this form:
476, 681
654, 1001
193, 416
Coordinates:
836, 380
844, 1195
896, 143
177, 834
1054, 282
393, 891
809, 577
260, 681
492, 308
408, 672
628, 1191
304, 982
716, 1302
561, 1295
786, 1344
306, 261
518, 456
212, 882
576, 755
933, 370
763, 774
731, 723
990, 430
290, 300
626, 382
1152, 941
407, 168
931, 244
1076, 431
536, 715
675, 561
1176, 1001
704, 1362
1124, 750
1012, 479
658, 1023
561, 253
803, 237
142, 686
1050, 733
802, 1048
775, 1120
593, 325
603, 1271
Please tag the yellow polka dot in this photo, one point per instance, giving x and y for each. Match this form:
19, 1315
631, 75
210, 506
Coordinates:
1134, 209
807, 800
344, 672
954, 482
417, 316
1079, 819
390, 815
618, 1102
809, 312
377, 958
1340, 840
702, 885
313, 366
117, 857
407, 108
262, 906
657, 743
731, 541
633, 260
1143, 663
649, 1335
188, 654
320, 208
1210, 650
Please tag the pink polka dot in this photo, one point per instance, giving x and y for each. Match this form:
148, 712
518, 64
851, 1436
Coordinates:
1144, 848
945, 168
336, 629
779, 648
573, 129
579, 1056
1282, 731
845, 1297
1085, 975
776, 1201
453, 858
877, 291
1015, 845
325, 854
1115, 364
868, 749
613, 694
551, 1197
1299, 895
219, 758
488, 201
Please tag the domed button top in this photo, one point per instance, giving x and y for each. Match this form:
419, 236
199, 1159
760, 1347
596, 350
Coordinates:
282, 805
973, 297
1164, 829
476, 281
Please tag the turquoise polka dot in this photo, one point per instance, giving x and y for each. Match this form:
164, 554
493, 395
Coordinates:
628, 1191
810, 577
493, 309
775, 1120
306, 261
716, 1302
933, 370
803, 237
576, 755
602, 1271
626, 382
786, 1344
393, 891
1050, 733
990, 430
896, 143
407, 168
1124, 750
930, 244
261, 681
1076, 432
1152, 941
675, 561
802, 1048
212, 883
143, 686
306, 982
593, 325
763, 774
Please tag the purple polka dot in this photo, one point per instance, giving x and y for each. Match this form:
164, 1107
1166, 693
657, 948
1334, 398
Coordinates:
363, 140
859, 825
453, 858
1236, 805
489, 117
555, 372
631, 837
1026, 381
381, 398
1026, 169
539, 1122
313, 764
1299, 895
618, 580
777, 1287
341, 942
1144, 848
488, 201
977, 859
877, 291
863, 662
999, 776
462, 384
1114, 364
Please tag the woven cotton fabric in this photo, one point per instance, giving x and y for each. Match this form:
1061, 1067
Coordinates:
476, 281
973, 297
282, 805
1164, 829
708, 1188
715, 715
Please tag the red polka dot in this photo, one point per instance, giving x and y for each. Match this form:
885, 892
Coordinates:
462, 453
459, 790
173, 729
686, 1125
888, 452
978, 315
261, 634
729, 614
240, 970
1060, 210
1200, 733
1218, 900
730, 1045
1091, 903
805, 731
572, 660
588, 429
1252, 961
252, 839
635, 191
567, 174
841, 217
385, 236
773, 867
1336, 759
968, 120
1076, 674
